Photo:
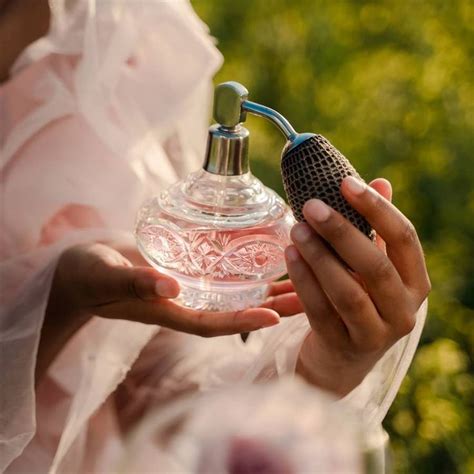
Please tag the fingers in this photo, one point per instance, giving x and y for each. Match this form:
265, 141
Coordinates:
319, 310
403, 246
377, 271
383, 187
280, 287
210, 324
206, 324
348, 297
283, 299
285, 304
111, 288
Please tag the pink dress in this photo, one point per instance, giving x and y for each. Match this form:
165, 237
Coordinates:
110, 107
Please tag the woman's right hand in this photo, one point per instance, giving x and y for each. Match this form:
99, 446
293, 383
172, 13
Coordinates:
98, 280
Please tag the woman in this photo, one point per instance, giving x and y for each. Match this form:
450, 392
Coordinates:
106, 109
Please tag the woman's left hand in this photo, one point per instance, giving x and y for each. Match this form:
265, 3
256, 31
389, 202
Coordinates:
355, 316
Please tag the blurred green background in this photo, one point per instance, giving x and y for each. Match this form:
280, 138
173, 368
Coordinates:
389, 84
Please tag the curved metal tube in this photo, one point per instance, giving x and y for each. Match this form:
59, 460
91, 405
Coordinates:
273, 116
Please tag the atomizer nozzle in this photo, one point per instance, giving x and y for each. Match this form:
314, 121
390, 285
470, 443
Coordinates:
228, 100
227, 148
231, 104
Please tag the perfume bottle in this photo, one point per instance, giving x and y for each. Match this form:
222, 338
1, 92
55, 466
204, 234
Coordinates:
219, 232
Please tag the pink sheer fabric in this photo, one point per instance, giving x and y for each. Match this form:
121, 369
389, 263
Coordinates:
284, 426
106, 109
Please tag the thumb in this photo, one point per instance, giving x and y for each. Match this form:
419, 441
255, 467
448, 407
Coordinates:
114, 283
142, 283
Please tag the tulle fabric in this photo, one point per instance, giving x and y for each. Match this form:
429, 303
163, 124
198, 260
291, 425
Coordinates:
105, 110
280, 427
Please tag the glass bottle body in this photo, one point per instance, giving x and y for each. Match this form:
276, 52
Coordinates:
222, 238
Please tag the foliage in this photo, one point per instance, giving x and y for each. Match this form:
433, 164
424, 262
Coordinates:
389, 83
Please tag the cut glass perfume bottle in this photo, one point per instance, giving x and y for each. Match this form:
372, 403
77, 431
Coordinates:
219, 232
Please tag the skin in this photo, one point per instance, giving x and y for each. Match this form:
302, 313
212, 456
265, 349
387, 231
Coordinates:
114, 282
21, 23
355, 317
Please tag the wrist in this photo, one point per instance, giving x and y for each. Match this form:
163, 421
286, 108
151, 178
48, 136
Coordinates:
62, 319
326, 369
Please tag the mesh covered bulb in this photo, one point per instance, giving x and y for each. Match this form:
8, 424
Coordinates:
315, 169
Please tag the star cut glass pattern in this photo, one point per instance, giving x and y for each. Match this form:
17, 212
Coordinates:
223, 240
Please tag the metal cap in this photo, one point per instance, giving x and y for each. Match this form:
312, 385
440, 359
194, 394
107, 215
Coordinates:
227, 151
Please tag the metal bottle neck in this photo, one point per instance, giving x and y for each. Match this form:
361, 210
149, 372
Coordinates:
227, 150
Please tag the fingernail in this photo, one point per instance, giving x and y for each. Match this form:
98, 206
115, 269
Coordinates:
292, 255
271, 322
301, 233
164, 288
355, 186
318, 210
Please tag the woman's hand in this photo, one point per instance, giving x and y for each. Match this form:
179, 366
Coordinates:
98, 280
355, 315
